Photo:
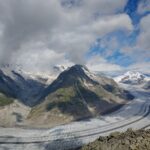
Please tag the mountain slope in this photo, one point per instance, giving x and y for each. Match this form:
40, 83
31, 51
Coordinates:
25, 89
77, 94
12, 113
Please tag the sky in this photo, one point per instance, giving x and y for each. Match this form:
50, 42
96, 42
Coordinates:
105, 35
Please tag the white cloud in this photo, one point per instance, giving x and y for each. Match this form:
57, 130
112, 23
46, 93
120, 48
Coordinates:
97, 63
144, 36
100, 7
36, 57
64, 30
78, 41
141, 66
140, 51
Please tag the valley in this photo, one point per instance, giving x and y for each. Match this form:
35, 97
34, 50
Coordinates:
74, 109
73, 73
135, 114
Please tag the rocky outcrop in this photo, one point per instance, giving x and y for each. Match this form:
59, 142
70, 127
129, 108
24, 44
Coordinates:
129, 140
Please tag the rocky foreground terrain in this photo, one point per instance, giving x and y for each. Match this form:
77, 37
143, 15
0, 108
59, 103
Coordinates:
129, 140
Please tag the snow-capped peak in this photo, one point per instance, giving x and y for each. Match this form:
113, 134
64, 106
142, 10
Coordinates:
133, 74
132, 77
42, 77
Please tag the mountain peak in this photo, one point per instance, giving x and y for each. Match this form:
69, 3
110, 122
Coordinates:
77, 72
131, 77
79, 66
73, 75
78, 69
134, 74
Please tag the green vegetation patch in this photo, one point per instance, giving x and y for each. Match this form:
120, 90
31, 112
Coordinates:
65, 94
4, 100
68, 101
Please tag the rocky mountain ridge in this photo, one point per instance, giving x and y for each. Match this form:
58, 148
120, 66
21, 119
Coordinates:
75, 94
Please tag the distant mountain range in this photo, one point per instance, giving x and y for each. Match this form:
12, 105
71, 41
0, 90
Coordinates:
74, 94
132, 77
26, 86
